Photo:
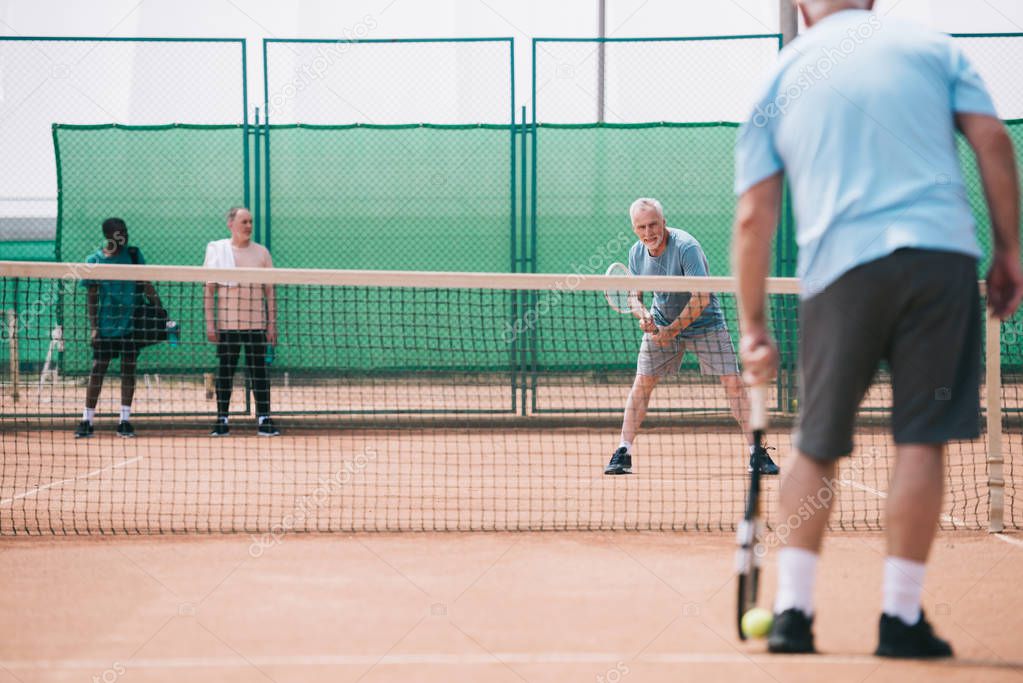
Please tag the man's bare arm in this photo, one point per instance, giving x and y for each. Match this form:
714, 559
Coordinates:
756, 220
210, 310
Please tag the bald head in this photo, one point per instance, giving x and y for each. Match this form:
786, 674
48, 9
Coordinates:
815, 10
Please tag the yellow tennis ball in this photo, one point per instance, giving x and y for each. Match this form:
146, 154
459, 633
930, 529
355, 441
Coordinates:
757, 622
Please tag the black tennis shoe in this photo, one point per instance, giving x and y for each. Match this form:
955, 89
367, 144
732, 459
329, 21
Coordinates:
896, 638
84, 430
791, 633
767, 465
125, 430
220, 428
621, 462
267, 428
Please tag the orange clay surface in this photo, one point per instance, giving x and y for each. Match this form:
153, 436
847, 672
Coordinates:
568, 606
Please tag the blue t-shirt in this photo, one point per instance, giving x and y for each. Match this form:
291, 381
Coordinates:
860, 115
682, 256
117, 298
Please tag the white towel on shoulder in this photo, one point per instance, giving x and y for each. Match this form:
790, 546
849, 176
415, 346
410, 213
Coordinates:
220, 254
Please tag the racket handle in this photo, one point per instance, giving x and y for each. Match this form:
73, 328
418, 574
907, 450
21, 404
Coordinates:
758, 407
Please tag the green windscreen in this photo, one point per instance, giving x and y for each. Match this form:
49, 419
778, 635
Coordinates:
171, 184
414, 198
391, 197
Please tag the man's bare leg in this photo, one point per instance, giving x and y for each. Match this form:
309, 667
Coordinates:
636, 406
738, 403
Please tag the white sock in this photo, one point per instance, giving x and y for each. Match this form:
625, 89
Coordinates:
627, 445
125, 413
222, 420
797, 574
903, 585
88, 414
263, 418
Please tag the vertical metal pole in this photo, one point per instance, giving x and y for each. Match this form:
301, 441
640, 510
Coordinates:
245, 127
256, 213
788, 21
601, 56
524, 258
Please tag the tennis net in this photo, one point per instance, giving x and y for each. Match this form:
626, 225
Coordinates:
423, 401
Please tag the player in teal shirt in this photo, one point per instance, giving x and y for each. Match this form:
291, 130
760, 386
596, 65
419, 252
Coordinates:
111, 308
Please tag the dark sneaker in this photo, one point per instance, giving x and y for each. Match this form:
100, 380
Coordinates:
125, 430
266, 428
84, 430
621, 462
791, 633
896, 638
219, 429
767, 465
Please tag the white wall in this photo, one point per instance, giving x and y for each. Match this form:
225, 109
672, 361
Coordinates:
187, 86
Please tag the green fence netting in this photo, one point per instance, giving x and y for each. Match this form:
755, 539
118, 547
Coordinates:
417, 197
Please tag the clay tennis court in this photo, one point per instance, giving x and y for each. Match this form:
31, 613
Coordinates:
175, 556
496, 607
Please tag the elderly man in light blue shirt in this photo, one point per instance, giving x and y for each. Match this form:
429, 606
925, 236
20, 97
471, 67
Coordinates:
860, 115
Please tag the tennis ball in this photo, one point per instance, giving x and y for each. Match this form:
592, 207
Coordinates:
757, 622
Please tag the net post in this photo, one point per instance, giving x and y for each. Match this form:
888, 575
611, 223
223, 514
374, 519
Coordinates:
993, 391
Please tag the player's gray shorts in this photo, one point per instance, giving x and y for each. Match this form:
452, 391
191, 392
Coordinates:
714, 350
920, 311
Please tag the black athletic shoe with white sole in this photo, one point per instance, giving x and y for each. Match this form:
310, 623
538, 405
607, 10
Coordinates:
791, 633
896, 638
621, 462
125, 430
267, 428
220, 429
84, 430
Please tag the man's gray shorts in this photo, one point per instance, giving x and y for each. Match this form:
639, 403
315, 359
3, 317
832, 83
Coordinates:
920, 311
714, 351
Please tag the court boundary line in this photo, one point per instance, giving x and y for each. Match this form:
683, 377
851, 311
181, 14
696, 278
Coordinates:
1008, 539
88, 475
447, 659
945, 517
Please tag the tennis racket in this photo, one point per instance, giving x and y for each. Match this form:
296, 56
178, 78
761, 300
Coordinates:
621, 300
749, 536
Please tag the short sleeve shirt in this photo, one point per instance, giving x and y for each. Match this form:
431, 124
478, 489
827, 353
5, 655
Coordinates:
241, 306
860, 115
117, 298
683, 256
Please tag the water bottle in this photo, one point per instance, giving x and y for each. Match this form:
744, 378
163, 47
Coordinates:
269, 354
173, 333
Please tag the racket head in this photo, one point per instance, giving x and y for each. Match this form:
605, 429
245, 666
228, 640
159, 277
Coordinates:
622, 300
618, 299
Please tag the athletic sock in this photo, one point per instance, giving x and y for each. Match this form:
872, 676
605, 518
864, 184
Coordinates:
903, 586
125, 413
263, 418
88, 414
627, 445
797, 574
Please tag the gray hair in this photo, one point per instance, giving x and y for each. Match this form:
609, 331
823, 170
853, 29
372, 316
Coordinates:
233, 211
645, 203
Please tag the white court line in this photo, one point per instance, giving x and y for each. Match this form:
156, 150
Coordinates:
37, 489
436, 658
1009, 539
882, 495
